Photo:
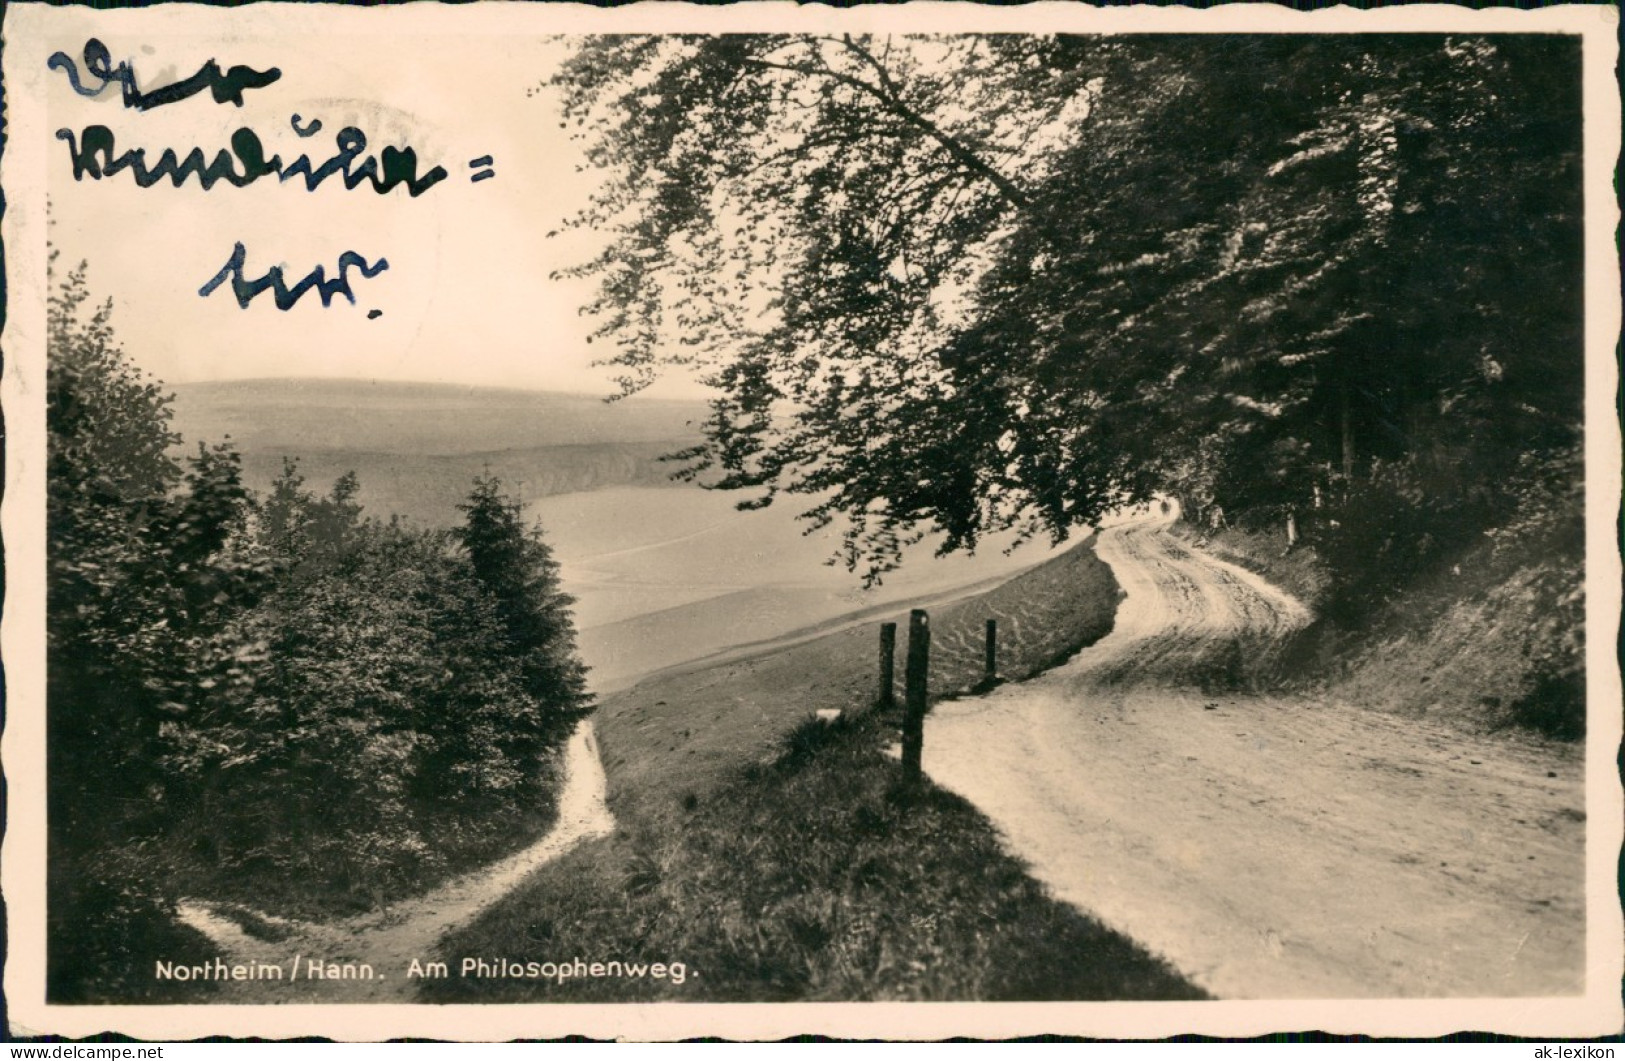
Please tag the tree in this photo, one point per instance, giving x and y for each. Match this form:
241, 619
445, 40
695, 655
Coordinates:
518, 573
223, 670
141, 574
972, 283
143, 578
305, 533
423, 679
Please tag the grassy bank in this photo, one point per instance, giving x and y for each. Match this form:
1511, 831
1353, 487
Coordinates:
677, 736
812, 878
776, 858
1488, 639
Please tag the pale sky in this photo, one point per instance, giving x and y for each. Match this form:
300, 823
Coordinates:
467, 296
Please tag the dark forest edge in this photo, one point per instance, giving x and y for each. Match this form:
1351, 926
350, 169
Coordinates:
1476, 619
271, 699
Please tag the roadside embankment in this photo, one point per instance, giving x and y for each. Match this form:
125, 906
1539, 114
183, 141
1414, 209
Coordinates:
674, 737
775, 857
1489, 642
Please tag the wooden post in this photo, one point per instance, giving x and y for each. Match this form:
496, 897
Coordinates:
888, 672
914, 679
990, 668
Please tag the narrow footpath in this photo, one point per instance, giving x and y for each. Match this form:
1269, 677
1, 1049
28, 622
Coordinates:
390, 939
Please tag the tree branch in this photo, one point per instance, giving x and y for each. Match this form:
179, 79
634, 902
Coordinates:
957, 151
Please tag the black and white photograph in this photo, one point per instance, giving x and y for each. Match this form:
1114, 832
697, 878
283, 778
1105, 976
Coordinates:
511, 507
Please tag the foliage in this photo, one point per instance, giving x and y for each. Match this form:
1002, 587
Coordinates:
517, 571
1423, 609
1549, 524
388, 678
105, 923
980, 282
224, 670
139, 577
304, 532
1394, 527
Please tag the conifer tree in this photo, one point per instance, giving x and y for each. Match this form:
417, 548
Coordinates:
516, 568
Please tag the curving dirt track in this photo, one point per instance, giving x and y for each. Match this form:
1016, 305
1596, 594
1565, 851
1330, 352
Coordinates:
1270, 847
390, 939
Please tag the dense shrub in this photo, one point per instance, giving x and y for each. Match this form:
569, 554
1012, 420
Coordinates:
106, 923
280, 698
1395, 526
384, 681
1549, 522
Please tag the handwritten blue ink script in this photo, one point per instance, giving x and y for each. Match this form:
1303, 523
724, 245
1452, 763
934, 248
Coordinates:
95, 155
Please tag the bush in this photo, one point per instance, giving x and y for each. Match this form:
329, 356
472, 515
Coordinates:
106, 925
386, 678
1393, 528
1549, 522
224, 672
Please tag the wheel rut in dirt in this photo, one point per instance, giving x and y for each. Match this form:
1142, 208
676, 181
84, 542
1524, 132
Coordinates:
1271, 847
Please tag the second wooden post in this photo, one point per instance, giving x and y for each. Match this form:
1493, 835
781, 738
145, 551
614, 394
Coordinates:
888, 647
915, 672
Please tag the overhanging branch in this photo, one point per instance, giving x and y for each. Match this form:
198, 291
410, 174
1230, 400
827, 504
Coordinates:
894, 104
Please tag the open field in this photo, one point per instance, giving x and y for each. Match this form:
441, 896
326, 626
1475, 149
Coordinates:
417, 418
427, 489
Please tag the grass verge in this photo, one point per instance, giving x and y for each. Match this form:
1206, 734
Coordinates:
776, 858
815, 877
677, 736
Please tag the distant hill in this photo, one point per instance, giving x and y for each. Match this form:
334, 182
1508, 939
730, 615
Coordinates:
418, 446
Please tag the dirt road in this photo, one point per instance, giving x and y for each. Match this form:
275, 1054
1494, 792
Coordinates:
1270, 847
388, 941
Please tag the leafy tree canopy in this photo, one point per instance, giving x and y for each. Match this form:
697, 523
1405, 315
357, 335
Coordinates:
982, 282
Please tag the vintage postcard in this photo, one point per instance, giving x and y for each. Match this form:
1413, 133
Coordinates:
898, 522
